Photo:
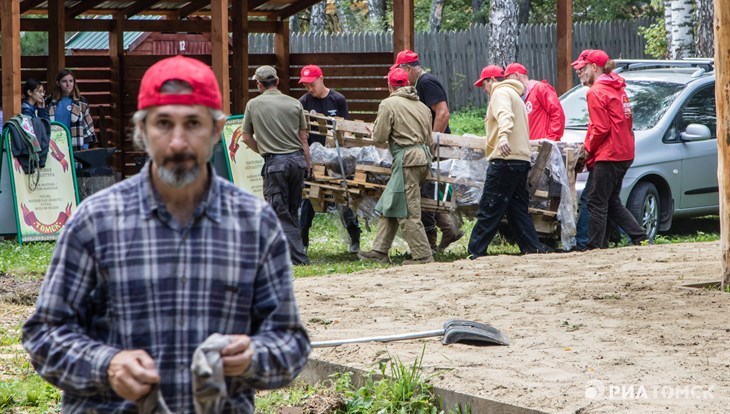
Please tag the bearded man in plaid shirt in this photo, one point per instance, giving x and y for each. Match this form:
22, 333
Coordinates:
146, 270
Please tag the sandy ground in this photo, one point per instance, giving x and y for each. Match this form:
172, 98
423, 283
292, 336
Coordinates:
597, 332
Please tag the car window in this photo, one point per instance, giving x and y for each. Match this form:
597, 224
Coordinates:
700, 109
649, 102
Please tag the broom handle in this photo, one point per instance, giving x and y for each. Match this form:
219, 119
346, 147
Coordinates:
388, 338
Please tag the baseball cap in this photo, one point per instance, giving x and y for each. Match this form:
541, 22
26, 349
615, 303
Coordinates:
265, 73
597, 56
196, 73
403, 57
310, 73
515, 68
398, 77
491, 71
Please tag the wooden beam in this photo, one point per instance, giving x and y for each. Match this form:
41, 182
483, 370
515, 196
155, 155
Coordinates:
56, 40
403, 25
116, 55
239, 14
191, 8
26, 5
219, 42
564, 46
82, 7
98, 25
253, 4
295, 8
139, 6
10, 11
281, 50
722, 96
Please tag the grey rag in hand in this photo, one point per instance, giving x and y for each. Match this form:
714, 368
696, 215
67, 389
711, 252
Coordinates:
209, 384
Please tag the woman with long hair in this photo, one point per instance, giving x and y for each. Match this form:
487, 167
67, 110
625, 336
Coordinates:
34, 103
68, 107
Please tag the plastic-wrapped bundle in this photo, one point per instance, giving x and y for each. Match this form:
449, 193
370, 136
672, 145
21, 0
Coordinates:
329, 157
556, 180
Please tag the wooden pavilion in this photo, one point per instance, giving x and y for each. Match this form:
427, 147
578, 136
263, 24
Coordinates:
110, 82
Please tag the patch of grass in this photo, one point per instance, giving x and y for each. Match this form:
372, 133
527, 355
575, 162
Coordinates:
468, 121
393, 388
28, 261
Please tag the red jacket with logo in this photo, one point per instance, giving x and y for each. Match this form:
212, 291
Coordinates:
544, 111
610, 135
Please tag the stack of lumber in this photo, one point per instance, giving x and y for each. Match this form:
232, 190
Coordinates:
368, 181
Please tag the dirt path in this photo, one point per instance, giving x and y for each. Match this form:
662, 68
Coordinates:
602, 331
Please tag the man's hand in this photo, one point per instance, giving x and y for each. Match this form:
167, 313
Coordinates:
132, 373
237, 355
503, 147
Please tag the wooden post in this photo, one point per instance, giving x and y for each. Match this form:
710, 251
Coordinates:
116, 55
239, 65
722, 95
281, 50
565, 45
403, 26
219, 41
56, 40
10, 12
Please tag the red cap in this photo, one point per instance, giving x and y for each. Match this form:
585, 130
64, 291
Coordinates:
405, 56
196, 73
491, 71
310, 73
515, 68
597, 56
398, 77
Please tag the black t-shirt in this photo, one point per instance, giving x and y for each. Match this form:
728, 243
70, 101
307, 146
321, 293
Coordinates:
334, 104
431, 91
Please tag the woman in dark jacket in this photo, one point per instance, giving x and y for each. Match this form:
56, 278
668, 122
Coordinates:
71, 109
34, 104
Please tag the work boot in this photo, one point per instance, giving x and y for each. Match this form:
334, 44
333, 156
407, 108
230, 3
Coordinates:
374, 256
423, 260
449, 238
355, 247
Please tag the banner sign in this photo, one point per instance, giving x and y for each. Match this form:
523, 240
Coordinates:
42, 208
244, 165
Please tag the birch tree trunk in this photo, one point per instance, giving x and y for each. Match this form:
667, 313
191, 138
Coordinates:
704, 33
682, 25
523, 12
668, 26
437, 13
502, 32
316, 22
376, 13
293, 24
342, 16
476, 11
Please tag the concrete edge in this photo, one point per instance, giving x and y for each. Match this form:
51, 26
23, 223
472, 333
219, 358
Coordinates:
318, 371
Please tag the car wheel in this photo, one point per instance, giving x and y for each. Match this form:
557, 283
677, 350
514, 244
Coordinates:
643, 203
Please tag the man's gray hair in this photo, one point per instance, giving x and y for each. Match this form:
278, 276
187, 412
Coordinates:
139, 117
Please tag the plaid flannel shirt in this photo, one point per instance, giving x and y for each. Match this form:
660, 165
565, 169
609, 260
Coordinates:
126, 275
82, 124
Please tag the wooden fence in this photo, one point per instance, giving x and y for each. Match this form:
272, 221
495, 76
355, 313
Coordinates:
457, 57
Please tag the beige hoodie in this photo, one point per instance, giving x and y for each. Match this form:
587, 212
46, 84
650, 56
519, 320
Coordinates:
506, 118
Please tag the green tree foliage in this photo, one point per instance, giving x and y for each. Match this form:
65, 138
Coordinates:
457, 15
656, 39
543, 11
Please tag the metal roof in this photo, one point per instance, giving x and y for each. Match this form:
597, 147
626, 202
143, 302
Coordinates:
100, 40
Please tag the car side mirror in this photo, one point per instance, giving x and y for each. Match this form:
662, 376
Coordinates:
696, 132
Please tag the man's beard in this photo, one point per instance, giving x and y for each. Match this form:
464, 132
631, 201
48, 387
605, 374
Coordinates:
173, 173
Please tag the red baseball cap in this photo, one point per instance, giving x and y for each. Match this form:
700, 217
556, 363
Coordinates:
491, 71
310, 73
515, 68
398, 77
196, 73
597, 56
405, 56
